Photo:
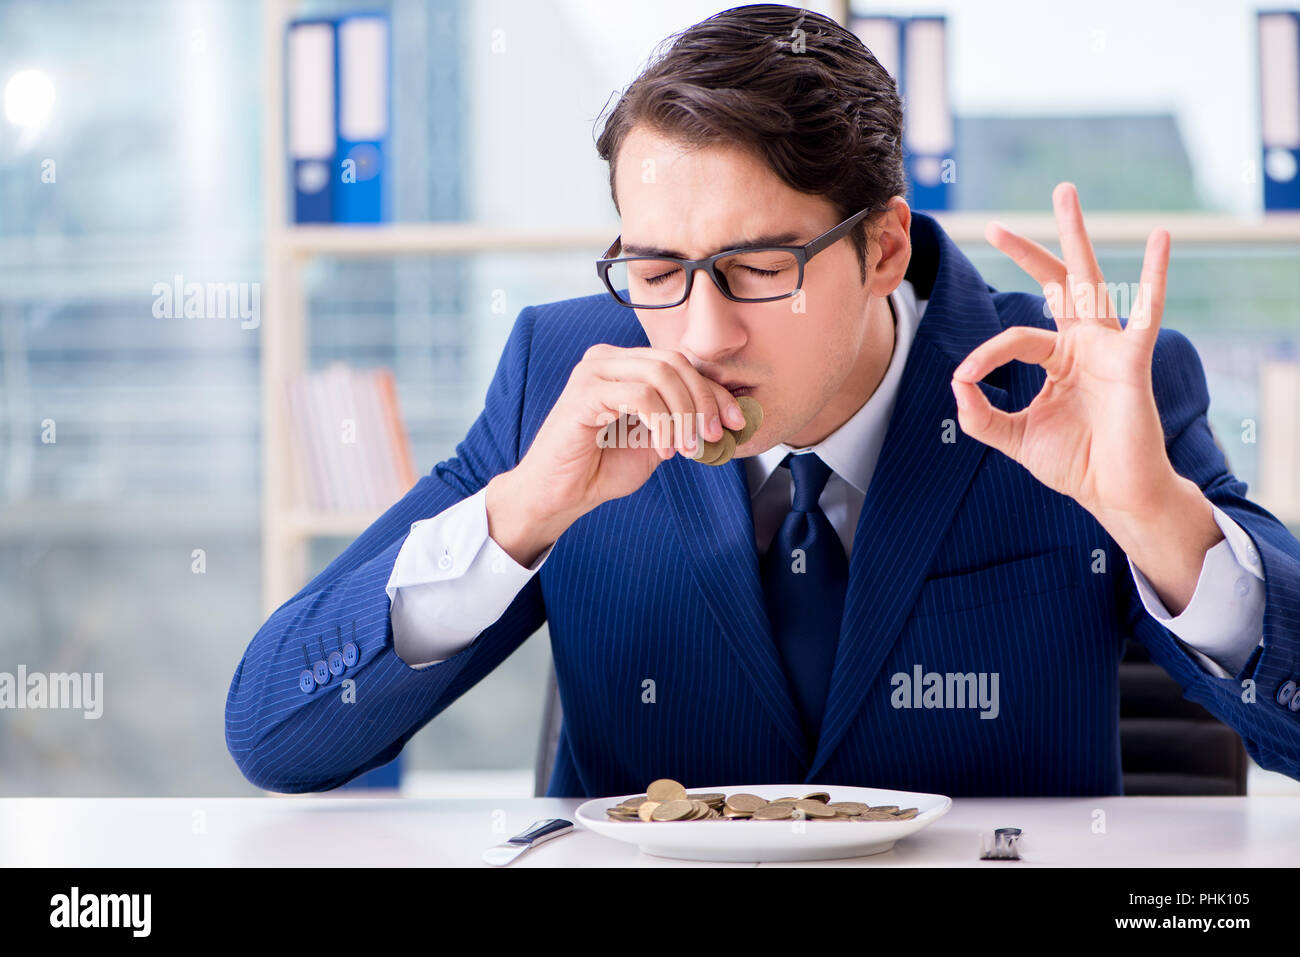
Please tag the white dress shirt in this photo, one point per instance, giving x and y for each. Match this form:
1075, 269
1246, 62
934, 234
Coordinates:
451, 580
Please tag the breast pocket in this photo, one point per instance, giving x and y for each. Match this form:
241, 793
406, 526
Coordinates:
1002, 583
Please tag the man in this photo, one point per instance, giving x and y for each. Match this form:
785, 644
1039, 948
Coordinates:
776, 618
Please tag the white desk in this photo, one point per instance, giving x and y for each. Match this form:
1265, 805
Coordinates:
368, 832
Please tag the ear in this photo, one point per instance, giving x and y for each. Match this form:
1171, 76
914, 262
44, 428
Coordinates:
890, 249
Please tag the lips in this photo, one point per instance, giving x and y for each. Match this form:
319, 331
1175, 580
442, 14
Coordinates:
738, 390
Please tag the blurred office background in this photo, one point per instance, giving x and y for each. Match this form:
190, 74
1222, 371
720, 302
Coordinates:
133, 150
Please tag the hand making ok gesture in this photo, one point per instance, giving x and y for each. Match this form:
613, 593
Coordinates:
1093, 432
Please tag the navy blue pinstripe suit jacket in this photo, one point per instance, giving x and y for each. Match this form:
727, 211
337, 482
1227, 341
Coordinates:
962, 562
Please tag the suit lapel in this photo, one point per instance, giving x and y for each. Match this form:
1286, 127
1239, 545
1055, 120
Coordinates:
919, 479
918, 483
711, 510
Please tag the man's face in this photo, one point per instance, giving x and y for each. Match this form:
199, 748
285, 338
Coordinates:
802, 356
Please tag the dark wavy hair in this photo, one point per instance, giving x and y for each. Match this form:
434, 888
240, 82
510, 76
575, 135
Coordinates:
795, 88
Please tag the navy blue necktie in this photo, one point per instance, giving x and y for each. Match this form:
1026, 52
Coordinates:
805, 576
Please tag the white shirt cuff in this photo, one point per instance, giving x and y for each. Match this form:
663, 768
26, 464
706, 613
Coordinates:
450, 581
1224, 621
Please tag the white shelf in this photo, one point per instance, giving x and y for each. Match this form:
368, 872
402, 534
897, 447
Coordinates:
397, 239
1131, 227
966, 227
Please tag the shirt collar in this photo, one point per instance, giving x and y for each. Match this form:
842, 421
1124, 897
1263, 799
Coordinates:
852, 449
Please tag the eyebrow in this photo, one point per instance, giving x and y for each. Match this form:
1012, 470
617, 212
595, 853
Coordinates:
775, 239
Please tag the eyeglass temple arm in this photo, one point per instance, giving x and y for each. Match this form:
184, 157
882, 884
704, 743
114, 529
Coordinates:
835, 233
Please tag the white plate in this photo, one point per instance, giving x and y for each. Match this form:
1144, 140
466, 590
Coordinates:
788, 840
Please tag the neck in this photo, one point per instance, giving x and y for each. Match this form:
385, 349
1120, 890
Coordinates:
862, 381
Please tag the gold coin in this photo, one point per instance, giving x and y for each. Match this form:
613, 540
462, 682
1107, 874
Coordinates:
665, 789
814, 808
753, 418
726, 448
672, 811
747, 803
706, 451
853, 807
707, 798
667, 800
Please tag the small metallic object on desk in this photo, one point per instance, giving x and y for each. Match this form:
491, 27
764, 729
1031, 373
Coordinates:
539, 833
1004, 845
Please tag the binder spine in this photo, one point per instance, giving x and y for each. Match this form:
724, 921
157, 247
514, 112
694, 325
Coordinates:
927, 114
311, 52
1279, 101
364, 118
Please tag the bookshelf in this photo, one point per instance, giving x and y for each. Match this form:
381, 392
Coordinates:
288, 525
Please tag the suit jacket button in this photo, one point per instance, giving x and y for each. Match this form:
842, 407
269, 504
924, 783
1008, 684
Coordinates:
336, 663
351, 654
306, 682
321, 672
1286, 692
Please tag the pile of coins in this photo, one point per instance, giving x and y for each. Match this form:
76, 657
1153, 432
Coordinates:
666, 800
721, 451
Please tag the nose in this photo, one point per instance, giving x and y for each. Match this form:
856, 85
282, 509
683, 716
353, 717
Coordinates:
713, 326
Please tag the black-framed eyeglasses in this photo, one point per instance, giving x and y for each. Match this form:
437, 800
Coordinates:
747, 274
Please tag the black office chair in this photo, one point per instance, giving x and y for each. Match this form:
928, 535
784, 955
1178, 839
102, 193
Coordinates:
549, 738
1169, 745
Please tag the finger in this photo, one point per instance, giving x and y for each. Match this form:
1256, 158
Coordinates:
1034, 259
1038, 262
1149, 304
1077, 251
618, 398
710, 398
981, 421
1088, 301
1025, 343
660, 375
